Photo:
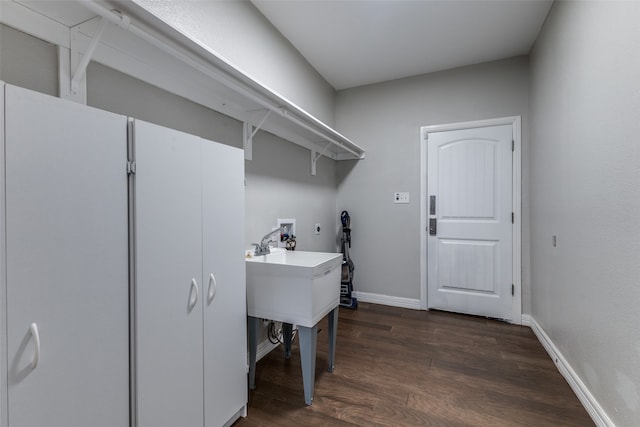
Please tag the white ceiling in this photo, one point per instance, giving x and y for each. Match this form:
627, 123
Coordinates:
357, 42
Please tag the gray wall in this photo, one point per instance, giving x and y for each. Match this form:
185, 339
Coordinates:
238, 32
280, 185
278, 179
28, 62
386, 119
585, 188
110, 90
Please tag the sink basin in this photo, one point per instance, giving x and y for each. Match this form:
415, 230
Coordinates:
294, 287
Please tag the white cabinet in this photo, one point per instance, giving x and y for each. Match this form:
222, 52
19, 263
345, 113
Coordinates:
65, 264
225, 305
190, 293
69, 215
168, 277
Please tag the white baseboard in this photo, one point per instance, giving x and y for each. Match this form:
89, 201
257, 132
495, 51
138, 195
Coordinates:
264, 348
387, 300
242, 412
597, 413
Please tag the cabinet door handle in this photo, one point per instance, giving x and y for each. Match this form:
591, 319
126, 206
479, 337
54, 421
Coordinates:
212, 287
193, 294
33, 328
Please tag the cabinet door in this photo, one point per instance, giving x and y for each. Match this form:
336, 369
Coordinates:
168, 277
225, 305
66, 263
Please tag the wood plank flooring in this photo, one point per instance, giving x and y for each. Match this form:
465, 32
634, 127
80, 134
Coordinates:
400, 367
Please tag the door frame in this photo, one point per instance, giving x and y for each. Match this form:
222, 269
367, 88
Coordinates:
516, 261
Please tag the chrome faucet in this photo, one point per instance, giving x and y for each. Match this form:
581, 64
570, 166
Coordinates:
263, 248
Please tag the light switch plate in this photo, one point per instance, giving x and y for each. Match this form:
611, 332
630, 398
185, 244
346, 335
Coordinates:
401, 197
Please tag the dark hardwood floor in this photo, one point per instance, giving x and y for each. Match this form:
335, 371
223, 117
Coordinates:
400, 367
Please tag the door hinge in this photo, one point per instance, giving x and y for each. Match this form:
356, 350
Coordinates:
513, 218
513, 145
513, 289
131, 168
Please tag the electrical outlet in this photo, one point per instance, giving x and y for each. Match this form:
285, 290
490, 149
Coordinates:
316, 229
401, 197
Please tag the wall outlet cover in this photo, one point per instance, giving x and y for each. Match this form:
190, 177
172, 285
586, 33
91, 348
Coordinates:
288, 226
401, 197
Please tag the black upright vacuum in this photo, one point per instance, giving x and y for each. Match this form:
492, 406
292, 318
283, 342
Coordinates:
346, 284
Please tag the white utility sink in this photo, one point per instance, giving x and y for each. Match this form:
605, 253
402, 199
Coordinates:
294, 287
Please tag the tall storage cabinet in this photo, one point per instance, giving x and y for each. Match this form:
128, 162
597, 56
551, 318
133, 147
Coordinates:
77, 336
225, 305
65, 266
168, 277
190, 293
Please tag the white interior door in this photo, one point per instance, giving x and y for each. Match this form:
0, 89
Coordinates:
168, 283
225, 304
67, 263
470, 221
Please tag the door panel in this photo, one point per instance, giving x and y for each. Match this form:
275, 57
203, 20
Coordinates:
480, 261
67, 263
469, 258
168, 236
225, 311
467, 179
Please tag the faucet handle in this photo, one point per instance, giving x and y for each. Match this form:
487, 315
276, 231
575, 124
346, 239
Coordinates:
260, 250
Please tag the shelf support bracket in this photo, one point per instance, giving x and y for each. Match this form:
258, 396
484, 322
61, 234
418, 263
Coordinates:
81, 68
248, 132
315, 156
247, 141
